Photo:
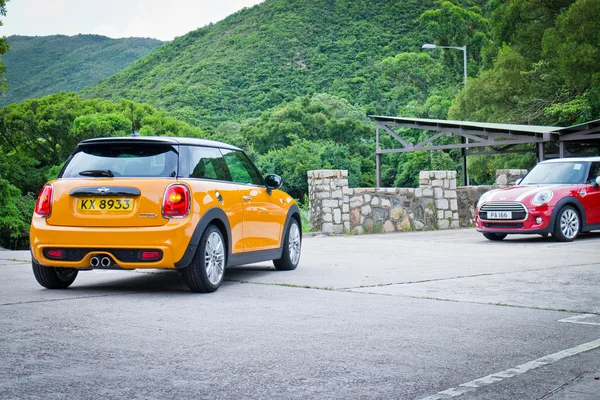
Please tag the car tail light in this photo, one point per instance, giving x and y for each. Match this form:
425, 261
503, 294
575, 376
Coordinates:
43, 206
176, 203
150, 255
54, 253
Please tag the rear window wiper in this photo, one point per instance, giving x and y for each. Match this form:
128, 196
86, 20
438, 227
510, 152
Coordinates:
97, 173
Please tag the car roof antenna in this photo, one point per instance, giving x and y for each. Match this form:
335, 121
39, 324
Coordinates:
135, 134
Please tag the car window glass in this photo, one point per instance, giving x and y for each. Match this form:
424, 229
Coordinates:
240, 168
124, 160
207, 163
556, 173
594, 172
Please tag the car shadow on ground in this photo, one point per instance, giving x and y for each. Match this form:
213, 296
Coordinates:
243, 272
549, 238
151, 281
129, 281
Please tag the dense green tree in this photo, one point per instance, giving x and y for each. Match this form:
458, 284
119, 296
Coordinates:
410, 164
482, 169
572, 51
15, 213
453, 24
321, 117
498, 94
293, 162
39, 134
319, 132
522, 23
548, 77
547, 72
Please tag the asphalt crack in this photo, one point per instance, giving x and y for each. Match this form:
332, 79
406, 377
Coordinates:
561, 387
65, 299
464, 276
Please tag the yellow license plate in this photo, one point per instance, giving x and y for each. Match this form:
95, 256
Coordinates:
104, 204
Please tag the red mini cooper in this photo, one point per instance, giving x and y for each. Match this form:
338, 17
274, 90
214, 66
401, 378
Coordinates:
559, 197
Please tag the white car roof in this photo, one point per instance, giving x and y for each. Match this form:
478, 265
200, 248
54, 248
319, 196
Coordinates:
572, 159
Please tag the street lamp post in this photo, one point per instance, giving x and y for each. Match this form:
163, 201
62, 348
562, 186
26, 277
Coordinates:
464, 50
430, 46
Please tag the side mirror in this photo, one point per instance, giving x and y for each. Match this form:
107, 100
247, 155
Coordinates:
273, 182
596, 184
518, 181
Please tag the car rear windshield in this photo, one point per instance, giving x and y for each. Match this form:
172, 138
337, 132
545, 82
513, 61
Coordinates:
557, 173
123, 160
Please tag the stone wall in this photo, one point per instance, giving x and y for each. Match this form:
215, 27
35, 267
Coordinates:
468, 196
336, 208
436, 204
328, 194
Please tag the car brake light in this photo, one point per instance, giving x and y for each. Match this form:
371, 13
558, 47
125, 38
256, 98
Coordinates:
43, 206
176, 202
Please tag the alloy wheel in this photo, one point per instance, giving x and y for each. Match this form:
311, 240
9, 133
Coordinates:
214, 258
294, 243
569, 223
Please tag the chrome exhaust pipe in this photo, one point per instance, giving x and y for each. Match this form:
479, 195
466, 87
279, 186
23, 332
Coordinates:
95, 261
105, 262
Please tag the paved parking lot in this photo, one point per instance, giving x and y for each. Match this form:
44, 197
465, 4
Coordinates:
424, 315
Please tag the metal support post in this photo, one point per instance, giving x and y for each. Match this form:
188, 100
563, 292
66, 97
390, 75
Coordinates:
561, 149
377, 158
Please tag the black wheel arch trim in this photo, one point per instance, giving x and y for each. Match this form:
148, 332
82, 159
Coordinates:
574, 202
208, 217
293, 211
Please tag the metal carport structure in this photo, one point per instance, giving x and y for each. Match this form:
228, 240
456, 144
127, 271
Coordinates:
487, 138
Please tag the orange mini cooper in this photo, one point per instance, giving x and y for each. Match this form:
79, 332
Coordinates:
193, 205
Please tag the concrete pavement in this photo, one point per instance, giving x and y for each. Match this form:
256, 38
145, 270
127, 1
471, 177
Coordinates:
406, 316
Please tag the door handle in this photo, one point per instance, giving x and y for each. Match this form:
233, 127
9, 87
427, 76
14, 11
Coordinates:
248, 198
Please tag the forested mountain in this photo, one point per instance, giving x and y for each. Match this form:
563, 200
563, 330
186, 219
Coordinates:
41, 65
274, 52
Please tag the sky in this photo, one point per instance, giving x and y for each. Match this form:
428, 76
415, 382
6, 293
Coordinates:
159, 19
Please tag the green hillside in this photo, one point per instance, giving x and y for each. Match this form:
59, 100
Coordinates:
273, 52
41, 65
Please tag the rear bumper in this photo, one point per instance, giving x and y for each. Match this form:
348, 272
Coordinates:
172, 239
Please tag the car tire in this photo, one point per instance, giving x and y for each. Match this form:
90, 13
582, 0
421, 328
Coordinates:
54, 278
292, 246
566, 225
494, 236
207, 269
